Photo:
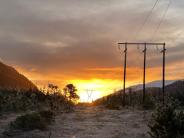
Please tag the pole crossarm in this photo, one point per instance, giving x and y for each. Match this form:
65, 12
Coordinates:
132, 43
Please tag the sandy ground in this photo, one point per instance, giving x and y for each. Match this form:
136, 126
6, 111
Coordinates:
91, 122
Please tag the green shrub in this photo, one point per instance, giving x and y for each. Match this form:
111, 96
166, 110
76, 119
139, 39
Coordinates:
167, 122
113, 102
47, 115
113, 106
35, 120
14, 100
149, 103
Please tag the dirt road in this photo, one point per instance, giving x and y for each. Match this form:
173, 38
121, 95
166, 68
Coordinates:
96, 122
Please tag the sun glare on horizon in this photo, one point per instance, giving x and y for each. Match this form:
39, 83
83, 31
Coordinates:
90, 90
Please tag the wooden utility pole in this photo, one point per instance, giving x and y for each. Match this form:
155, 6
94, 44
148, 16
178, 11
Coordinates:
144, 68
144, 73
163, 73
124, 76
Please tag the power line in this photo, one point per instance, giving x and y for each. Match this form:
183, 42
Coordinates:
162, 19
176, 38
146, 19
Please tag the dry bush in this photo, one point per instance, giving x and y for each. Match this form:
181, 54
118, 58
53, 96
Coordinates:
13, 100
30, 121
167, 122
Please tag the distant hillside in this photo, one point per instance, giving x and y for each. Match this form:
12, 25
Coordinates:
175, 89
153, 84
177, 86
11, 79
172, 87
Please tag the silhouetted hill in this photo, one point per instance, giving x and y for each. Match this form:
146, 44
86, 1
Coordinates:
153, 84
175, 89
11, 79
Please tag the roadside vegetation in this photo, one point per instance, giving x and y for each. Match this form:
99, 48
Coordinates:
30, 121
133, 99
167, 121
52, 98
37, 107
35, 120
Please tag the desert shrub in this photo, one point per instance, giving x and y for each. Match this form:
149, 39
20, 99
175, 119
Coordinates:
113, 102
58, 102
112, 107
47, 115
167, 122
179, 96
149, 103
133, 99
31, 121
28, 122
14, 100
17, 100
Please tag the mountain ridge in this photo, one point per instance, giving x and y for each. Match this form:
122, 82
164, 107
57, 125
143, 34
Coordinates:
152, 84
10, 78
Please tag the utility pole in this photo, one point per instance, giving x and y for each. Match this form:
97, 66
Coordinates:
144, 73
125, 64
124, 71
144, 69
163, 73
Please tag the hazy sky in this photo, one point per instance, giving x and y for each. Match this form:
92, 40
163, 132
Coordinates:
62, 40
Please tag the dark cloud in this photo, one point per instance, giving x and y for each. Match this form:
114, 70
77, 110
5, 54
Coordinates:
71, 36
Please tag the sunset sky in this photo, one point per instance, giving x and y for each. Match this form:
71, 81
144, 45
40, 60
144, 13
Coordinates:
75, 41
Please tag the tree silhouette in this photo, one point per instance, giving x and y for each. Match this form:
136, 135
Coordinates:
71, 90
